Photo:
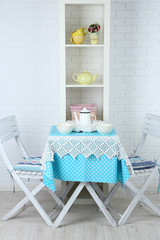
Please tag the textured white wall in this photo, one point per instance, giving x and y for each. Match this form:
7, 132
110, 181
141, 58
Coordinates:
135, 74
29, 69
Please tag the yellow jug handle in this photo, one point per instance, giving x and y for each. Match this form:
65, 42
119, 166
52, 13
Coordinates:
71, 40
86, 31
73, 76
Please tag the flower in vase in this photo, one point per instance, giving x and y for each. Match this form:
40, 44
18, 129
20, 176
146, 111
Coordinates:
94, 28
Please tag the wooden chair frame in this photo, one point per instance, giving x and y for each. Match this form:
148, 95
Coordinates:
9, 130
151, 127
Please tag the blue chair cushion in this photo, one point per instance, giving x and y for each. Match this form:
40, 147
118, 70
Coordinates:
29, 164
139, 163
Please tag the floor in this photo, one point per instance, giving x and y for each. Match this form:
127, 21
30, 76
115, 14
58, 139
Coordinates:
82, 221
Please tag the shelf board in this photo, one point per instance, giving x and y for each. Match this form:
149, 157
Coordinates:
84, 45
76, 85
84, 2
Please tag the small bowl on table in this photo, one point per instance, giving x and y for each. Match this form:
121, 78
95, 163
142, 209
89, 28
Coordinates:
104, 128
65, 128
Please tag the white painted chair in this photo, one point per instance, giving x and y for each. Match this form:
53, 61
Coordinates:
28, 168
141, 167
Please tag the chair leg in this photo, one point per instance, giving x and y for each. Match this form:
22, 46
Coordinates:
132, 190
55, 197
13, 212
31, 197
136, 199
101, 205
68, 204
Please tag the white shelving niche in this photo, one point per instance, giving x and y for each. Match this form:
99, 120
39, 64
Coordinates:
75, 14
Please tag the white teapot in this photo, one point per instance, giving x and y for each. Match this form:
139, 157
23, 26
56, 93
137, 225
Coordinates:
85, 117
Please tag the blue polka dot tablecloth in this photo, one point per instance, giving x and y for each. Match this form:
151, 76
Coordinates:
81, 168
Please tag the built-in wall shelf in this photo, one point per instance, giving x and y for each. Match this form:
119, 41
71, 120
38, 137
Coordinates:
75, 85
93, 58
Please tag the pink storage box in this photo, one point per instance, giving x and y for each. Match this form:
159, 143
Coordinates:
78, 107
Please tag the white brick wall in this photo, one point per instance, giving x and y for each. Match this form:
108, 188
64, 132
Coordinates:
134, 88
29, 69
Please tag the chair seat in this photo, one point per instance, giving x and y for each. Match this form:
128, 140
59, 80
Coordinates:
29, 164
139, 163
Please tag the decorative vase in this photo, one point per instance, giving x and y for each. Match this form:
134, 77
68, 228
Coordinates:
94, 37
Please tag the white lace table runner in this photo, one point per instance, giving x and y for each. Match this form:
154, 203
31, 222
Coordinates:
110, 146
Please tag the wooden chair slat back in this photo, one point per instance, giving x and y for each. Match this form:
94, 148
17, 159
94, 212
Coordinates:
151, 125
8, 128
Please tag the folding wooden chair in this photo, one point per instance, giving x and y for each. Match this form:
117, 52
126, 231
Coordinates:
141, 167
29, 168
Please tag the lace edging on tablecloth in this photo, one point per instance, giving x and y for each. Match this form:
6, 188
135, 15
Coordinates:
87, 146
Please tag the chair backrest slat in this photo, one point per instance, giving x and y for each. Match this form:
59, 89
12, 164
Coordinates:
9, 136
7, 119
151, 125
8, 128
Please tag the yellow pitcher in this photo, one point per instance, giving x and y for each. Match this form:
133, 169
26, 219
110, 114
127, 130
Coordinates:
77, 37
